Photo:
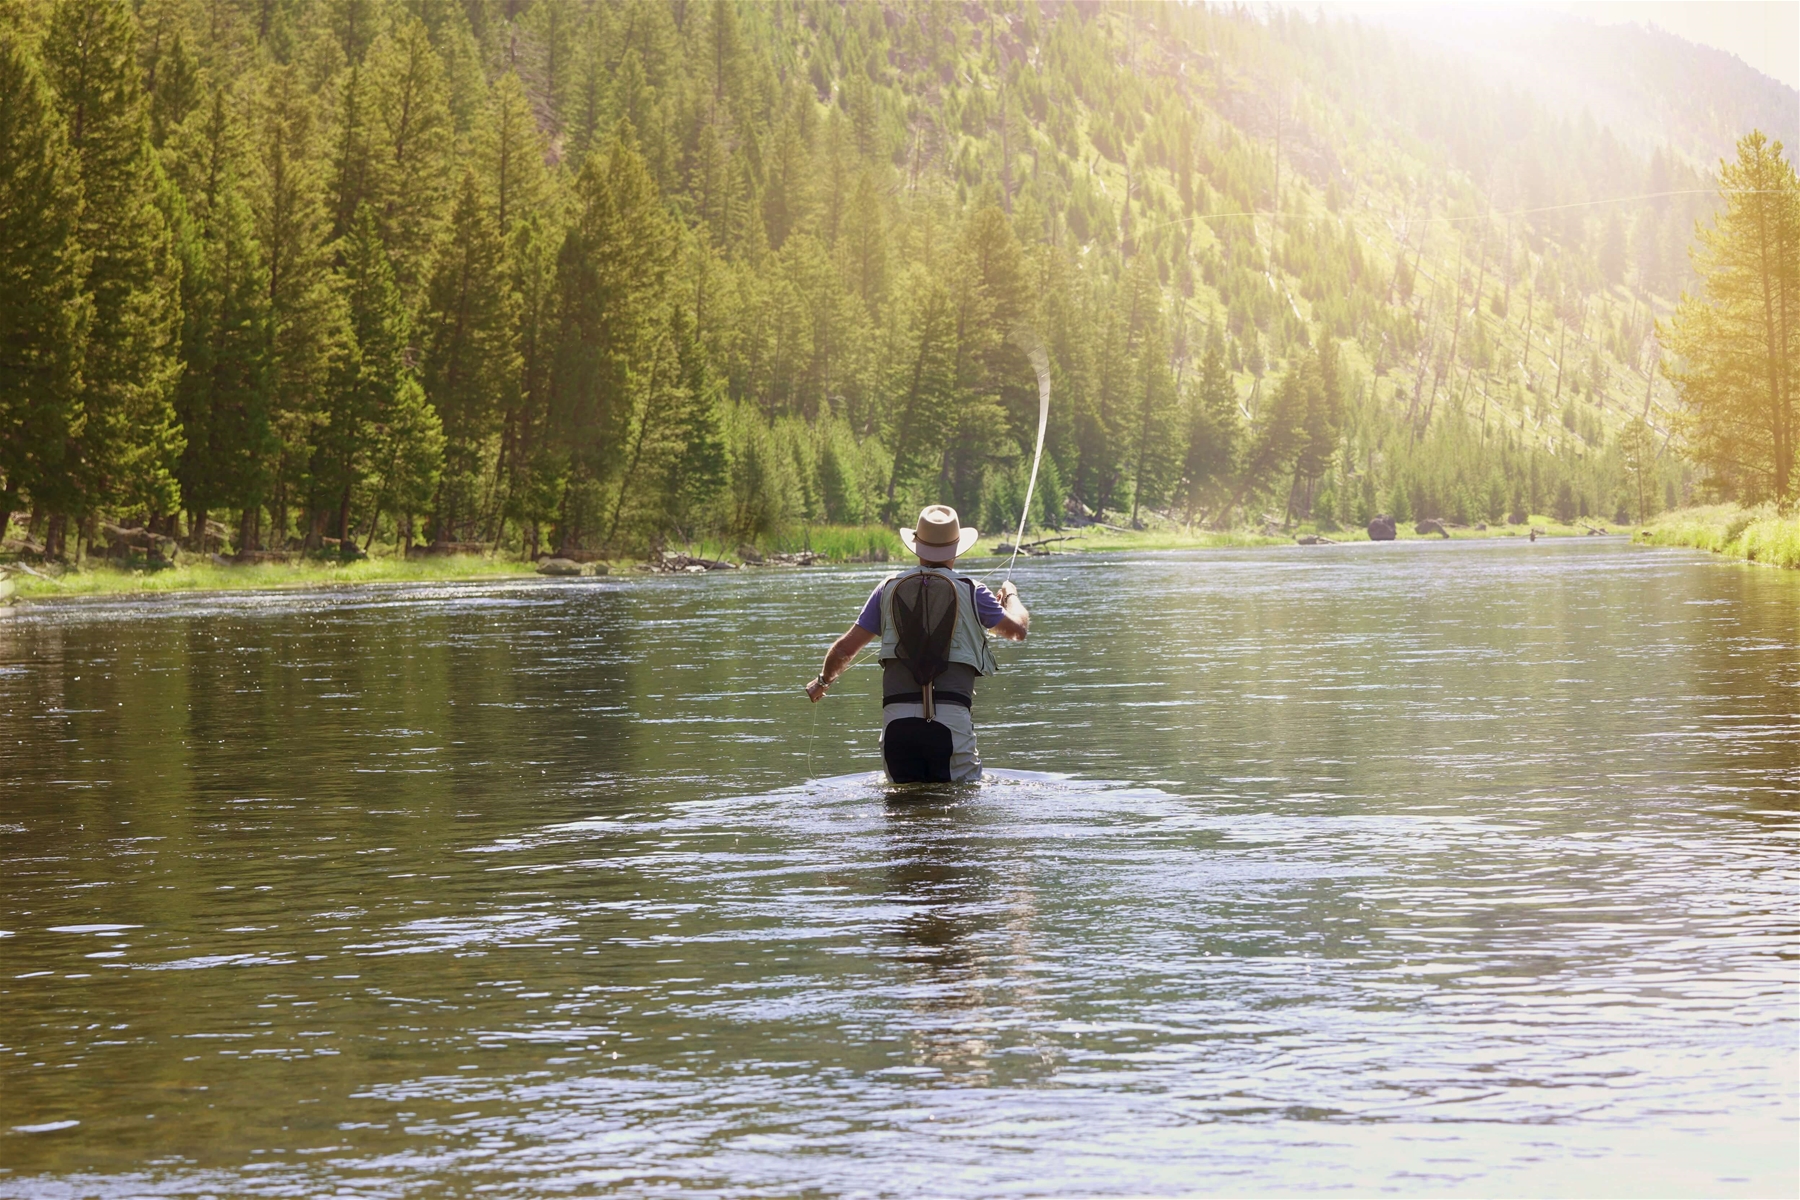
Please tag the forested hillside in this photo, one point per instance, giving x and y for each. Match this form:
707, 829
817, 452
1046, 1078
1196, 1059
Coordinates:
602, 275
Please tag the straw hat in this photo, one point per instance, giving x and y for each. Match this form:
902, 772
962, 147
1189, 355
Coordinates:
940, 536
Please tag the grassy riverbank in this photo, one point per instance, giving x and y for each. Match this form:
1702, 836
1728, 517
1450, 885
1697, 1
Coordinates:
837, 543
99, 578
1758, 534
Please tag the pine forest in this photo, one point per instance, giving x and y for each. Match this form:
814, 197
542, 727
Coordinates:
602, 277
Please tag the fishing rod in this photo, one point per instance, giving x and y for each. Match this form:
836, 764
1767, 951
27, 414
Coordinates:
1040, 362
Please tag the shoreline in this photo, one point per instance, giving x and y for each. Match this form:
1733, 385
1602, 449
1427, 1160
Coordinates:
104, 580
1757, 535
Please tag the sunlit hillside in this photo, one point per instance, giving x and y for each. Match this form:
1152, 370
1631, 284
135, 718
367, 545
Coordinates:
605, 276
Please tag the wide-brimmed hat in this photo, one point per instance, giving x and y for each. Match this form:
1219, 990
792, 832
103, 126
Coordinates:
940, 536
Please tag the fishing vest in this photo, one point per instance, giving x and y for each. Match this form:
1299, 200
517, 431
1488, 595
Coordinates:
968, 641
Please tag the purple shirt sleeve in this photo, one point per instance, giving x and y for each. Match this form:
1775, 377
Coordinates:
870, 617
987, 607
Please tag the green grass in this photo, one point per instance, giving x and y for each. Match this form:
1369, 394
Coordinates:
1758, 534
1765, 540
97, 579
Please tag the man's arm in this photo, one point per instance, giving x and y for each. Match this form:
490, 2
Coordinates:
836, 659
1017, 621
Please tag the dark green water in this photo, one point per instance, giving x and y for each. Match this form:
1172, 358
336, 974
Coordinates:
1459, 868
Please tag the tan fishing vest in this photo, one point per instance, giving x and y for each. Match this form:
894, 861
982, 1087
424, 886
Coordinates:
968, 642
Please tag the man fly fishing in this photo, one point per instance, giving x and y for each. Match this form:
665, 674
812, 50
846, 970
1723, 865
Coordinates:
932, 623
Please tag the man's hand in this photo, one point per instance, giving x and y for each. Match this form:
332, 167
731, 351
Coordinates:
837, 659
1017, 621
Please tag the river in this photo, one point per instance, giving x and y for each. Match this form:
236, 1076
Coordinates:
1416, 868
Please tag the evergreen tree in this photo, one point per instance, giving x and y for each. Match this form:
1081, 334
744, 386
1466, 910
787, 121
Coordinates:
510, 157
401, 459
366, 382
923, 389
411, 133
1637, 459
171, 70
44, 312
1321, 427
697, 472
611, 271
1740, 338
221, 398
125, 451
1157, 455
305, 313
471, 358
1213, 426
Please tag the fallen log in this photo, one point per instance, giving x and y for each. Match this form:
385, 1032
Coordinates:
1034, 548
673, 563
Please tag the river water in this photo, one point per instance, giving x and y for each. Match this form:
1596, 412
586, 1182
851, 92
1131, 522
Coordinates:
1454, 868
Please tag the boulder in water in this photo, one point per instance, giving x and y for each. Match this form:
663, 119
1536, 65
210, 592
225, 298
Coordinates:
1381, 529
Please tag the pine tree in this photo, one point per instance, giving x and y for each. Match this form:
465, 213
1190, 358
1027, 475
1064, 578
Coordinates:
411, 133
129, 440
529, 465
171, 71
366, 381
354, 167
549, 34
401, 459
1156, 455
222, 395
1637, 459
305, 314
510, 157
1277, 437
1321, 425
471, 359
611, 271
1740, 338
697, 473
44, 312
923, 388
1213, 425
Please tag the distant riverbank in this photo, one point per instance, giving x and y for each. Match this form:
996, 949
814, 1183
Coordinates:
874, 544
1758, 534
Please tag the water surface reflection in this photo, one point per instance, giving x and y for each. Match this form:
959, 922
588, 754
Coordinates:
1426, 869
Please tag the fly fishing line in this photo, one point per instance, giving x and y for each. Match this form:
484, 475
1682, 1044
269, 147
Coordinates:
1040, 362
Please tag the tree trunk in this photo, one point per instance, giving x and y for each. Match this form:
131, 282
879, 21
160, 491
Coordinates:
343, 518
247, 528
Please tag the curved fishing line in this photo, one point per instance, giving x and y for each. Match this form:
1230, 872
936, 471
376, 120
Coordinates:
1040, 362
813, 738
